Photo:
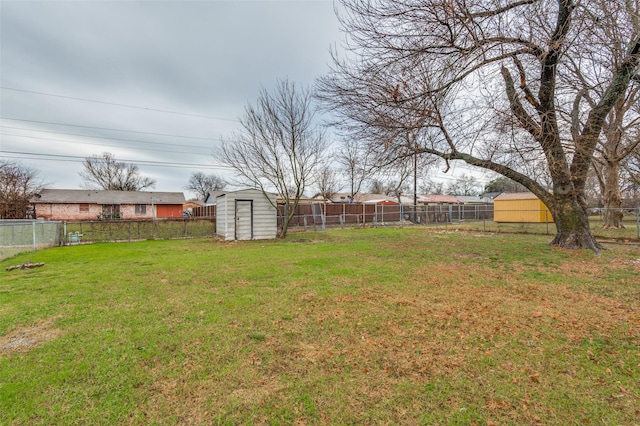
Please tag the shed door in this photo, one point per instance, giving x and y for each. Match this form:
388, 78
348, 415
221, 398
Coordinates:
244, 219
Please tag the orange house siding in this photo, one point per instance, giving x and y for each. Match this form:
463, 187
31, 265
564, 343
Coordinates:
169, 211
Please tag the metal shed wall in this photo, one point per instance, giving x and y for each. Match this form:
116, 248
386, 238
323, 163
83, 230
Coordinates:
263, 220
221, 216
520, 208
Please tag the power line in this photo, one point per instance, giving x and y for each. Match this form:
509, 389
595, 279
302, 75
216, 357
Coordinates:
104, 144
118, 104
106, 137
78, 161
105, 128
137, 162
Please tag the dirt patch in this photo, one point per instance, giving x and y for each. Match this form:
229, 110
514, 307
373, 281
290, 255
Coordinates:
26, 338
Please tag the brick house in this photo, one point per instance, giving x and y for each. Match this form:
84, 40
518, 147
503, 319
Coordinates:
85, 204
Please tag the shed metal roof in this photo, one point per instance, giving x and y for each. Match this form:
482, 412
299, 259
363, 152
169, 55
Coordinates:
440, 199
242, 191
90, 196
516, 196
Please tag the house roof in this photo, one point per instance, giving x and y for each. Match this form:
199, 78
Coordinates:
362, 198
516, 196
440, 199
473, 199
490, 195
89, 196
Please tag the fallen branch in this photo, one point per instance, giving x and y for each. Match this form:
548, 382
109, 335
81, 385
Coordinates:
25, 266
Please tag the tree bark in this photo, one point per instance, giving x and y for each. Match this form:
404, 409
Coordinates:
284, 228
612, 197
572, 225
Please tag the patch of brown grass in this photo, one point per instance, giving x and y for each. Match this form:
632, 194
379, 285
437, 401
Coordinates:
24, 339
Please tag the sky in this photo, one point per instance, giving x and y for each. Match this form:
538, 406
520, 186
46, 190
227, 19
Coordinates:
72, 72
158, 84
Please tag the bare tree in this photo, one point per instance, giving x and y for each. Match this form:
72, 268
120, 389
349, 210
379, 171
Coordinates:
466, 185
18, 184
631, 175
620, 138
480, 79
357, 164
394, 179
202, 184
431, 187
621, 128
327, 181
105, 172
279, 146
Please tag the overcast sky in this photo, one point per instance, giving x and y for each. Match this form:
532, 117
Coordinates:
200, 61
156, 83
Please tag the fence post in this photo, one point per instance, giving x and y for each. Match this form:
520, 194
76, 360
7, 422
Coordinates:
33, 229
638, 222
546, 219
364, 215
484, 223
375, 215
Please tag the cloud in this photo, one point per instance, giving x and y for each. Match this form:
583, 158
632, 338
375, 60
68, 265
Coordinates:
200, 58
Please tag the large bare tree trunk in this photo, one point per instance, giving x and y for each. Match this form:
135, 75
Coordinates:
612, 196
572, 225
417, 64
289, 212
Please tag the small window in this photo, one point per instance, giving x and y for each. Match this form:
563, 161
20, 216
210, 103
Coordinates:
84, 207
141, 209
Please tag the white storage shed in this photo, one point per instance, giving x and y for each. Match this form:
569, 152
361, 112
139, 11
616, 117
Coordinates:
247, 214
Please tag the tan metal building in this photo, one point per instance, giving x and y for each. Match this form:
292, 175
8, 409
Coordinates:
521, 207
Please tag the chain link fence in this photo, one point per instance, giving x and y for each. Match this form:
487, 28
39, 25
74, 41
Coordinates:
18, 236
137, 230
464, 217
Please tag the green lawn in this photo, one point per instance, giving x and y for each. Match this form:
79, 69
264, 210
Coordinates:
629, 232
374, 326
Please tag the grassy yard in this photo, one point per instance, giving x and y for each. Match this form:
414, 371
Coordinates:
375, 326
629, 232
